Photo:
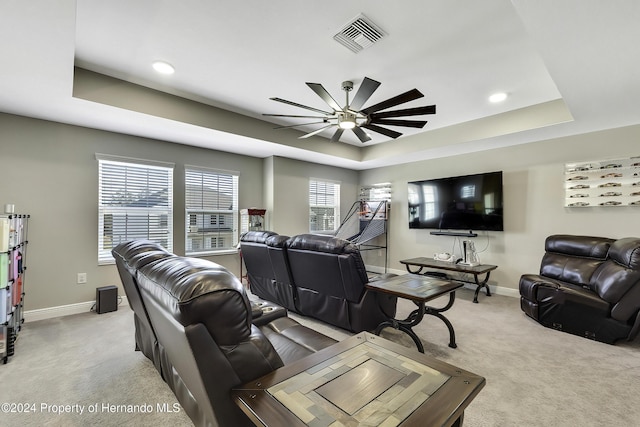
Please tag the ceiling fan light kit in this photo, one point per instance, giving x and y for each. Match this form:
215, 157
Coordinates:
353, 116
347, 121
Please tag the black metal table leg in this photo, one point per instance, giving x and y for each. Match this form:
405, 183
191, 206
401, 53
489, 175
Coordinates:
416, 317
418, 271
437, 312
481, 285
406, 325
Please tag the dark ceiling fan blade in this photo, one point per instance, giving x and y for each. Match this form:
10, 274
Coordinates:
301, 124
362, 135
326, 97
295, 104
297, 117
407, 123
336, 136
418, 111
388, 132
315, 132
365, 91
392, 102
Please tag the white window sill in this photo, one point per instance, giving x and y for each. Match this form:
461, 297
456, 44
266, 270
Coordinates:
212, 253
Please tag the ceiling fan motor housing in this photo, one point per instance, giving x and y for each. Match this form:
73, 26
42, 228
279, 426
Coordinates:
347, 86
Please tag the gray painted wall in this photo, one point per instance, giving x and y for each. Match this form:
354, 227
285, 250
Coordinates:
49, 170
291, 192
534, 201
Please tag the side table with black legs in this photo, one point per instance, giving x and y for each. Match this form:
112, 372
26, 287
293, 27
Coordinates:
418, 289
476, 270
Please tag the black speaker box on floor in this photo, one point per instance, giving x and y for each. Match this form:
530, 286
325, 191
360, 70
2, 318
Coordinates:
106, 299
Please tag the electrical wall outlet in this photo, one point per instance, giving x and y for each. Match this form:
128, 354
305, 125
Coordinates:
82, 278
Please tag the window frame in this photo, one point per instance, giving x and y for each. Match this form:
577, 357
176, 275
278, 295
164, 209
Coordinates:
212, 217
336, 205
163, 233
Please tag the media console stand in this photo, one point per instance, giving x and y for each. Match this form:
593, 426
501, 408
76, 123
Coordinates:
475, 270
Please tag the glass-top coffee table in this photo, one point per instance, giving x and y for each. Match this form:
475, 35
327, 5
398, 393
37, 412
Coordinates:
363, 380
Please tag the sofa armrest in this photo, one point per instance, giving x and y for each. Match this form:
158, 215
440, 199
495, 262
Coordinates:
529, 284
265, 312
293, 341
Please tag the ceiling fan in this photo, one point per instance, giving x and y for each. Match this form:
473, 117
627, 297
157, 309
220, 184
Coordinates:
353, 116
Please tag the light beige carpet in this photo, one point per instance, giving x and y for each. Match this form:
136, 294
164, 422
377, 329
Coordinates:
535, 376
68, 363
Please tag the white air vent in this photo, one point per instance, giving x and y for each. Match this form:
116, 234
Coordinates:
359, 34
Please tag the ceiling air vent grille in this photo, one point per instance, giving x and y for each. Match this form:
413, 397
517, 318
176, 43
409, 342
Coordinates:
359, 34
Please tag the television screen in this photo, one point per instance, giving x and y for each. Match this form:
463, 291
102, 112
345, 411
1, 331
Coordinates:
470, 202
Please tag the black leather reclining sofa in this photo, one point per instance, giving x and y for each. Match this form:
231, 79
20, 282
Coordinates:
194, 320
587, 286
315, 275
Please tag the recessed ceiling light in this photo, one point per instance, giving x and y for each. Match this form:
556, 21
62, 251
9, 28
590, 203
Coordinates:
498, 97
163, 67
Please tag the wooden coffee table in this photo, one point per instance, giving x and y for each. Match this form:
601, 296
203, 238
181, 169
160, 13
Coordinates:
418, 289
363, 380
475, 270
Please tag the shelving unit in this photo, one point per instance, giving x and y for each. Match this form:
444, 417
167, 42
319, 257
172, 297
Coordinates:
603, 183
13, 256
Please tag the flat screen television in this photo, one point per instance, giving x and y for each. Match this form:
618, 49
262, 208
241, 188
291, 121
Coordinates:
469, 202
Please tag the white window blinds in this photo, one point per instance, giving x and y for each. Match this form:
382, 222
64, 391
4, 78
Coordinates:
211, 211
135, 201
324, 206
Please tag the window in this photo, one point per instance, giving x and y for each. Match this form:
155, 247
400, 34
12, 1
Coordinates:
324, 206
468, 191
429, 198
211, 211
135, 201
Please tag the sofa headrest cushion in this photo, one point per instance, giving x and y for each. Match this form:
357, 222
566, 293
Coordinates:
626, 252
137, 253
257, 236
320, 243
199, 291
620, 273
277, 241
580, 246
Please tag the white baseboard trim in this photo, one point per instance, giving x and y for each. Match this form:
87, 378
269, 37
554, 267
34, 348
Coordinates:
64, 310
495, 289
84, 307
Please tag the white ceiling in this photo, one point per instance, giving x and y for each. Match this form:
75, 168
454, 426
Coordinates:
235, 55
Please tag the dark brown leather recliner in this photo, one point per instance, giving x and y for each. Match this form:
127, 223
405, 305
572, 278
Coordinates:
268, 273
206, 341
330, 277
587, 286
130, 256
